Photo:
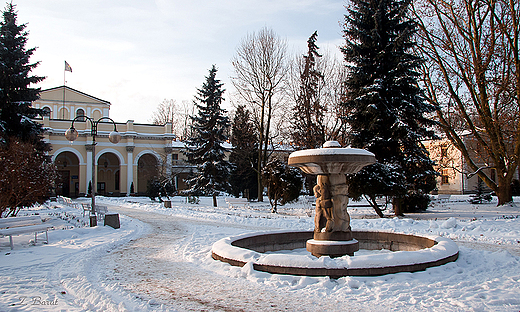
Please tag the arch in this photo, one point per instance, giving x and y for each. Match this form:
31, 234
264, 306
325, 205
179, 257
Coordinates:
46, 111
68, 168
63, 113
108, 165
96, 113
80, 112
113, 151
69, 149
147, 170
154, 153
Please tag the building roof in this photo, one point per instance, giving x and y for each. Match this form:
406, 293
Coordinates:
71, 95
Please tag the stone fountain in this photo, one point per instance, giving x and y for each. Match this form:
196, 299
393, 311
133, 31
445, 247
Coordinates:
332, 235
332, 232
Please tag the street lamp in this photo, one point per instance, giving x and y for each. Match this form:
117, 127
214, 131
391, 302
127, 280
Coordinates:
72, 134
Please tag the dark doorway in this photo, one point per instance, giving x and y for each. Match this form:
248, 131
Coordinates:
63, 185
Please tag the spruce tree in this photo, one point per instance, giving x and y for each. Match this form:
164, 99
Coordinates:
244, 156
388, 111
16, 96
205, 147
307, 118
28, 172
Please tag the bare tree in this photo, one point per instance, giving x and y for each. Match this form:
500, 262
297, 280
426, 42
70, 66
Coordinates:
472, 74
260, 74
183, 127
166, 112
333, 95
26, 178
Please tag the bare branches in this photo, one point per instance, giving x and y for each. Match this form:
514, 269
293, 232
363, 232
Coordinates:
165, 112
472, 74
260, 78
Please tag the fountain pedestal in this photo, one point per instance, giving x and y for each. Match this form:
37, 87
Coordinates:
332, 232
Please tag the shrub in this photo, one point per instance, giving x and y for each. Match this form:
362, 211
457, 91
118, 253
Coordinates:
283, 183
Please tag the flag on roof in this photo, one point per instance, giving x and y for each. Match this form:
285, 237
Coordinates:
67, 67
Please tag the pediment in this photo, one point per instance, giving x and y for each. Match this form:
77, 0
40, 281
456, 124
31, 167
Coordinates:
70, 96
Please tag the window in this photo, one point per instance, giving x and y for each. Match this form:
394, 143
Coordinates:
46, 111
444, 151
175, 159
445, 179
79, 113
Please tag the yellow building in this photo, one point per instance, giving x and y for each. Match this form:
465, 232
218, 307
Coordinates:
455, 176
144, 151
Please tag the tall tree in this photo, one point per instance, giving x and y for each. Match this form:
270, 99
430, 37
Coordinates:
16, 97
328, 92
204, 148
307, 122
472, 75
243, 156
388, 111
260, 67
27, 173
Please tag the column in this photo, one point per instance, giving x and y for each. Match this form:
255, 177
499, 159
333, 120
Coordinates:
90, 159
168, 150
130, 168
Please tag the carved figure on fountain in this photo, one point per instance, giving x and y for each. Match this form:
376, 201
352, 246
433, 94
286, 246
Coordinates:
339, 191
323, 221
332, 221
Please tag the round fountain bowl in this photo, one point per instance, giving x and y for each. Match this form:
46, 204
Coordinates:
410, 253
331, 159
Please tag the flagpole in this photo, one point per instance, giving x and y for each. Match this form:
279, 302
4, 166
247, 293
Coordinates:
64, 83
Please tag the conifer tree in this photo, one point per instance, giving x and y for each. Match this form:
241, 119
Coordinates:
307, 123
244, 156
16, 95
27, 173
388, 111
204, 148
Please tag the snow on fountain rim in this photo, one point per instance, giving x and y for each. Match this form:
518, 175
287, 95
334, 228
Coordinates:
444, 248
332, 151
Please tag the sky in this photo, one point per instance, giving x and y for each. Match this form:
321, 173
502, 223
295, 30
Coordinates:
136, 53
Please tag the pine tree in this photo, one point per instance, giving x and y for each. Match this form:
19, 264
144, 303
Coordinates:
307, 118
204, 148
16, 96
388, 111
244, 156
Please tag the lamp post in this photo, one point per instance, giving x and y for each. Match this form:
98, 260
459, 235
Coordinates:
72, 134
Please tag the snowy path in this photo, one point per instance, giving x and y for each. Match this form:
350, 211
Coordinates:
171, 268
156, 268
160, 260
64, 275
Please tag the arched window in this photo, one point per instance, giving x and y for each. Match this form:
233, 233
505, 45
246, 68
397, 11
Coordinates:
80, 112
46, 111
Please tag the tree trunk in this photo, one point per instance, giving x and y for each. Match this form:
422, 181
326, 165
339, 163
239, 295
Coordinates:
373, 203
396, 203
214, 200
259, 165
259, 177
504, 194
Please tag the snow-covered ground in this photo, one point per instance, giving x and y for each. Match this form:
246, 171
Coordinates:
160, 260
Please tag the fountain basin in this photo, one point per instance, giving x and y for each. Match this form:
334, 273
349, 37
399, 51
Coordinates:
331, 160
411, 253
